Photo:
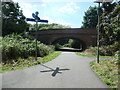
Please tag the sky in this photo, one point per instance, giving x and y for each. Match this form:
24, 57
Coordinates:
65, 12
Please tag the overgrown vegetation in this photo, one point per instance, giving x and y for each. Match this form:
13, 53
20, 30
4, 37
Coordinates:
30, 61
85, 54
90, 16
110, 23
69, 43
104, 51
49, 26
15, 46
58, 46
18, 52
73, 43
109, 27
13, 20
89, 54
108, 70
108, 50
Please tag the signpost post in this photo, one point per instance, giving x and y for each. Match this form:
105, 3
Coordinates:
36, 19
98, 30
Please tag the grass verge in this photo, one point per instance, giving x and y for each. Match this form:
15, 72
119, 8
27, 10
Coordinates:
84, 54
91, 55
107, 70
24, 63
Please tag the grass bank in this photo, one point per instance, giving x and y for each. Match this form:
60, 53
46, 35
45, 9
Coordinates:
91, 55
107, 70
24, 63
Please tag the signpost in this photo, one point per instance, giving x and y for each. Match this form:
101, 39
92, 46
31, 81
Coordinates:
36, 19
98, 30
33, 20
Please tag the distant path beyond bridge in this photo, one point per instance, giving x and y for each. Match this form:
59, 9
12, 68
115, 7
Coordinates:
66, 71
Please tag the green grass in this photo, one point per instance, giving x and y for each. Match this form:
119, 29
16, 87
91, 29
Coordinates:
107, 70
84, 54
24, 63
91, 55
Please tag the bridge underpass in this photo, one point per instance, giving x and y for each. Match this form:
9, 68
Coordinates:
69, 44
86, 37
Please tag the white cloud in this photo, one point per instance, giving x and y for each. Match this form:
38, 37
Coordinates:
43, 0
43, 5
69, 8
77, 7
50, 21
26, 7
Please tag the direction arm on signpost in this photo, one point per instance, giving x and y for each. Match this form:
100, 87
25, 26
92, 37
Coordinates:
33, 20
30, 19
36, 19
45, 21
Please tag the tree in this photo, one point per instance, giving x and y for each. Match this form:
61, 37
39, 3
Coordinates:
110, 23
42, 26
13, 18
90, 18
52, 26
47, 26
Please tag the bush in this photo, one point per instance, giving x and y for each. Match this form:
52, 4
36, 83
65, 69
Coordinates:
44, 50
57, 46
91, 50
67, 45
15, 46
108, 50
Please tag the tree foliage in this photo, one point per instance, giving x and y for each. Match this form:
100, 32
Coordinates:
52, 26
49, 26
13, 18
110, 23
90, 18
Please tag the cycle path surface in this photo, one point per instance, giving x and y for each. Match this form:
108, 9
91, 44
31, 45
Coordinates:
68, 70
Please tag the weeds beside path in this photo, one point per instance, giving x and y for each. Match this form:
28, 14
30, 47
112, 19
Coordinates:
91, 55
24, 63
107, 69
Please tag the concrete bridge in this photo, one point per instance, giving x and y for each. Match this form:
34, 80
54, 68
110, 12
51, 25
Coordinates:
87, 37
